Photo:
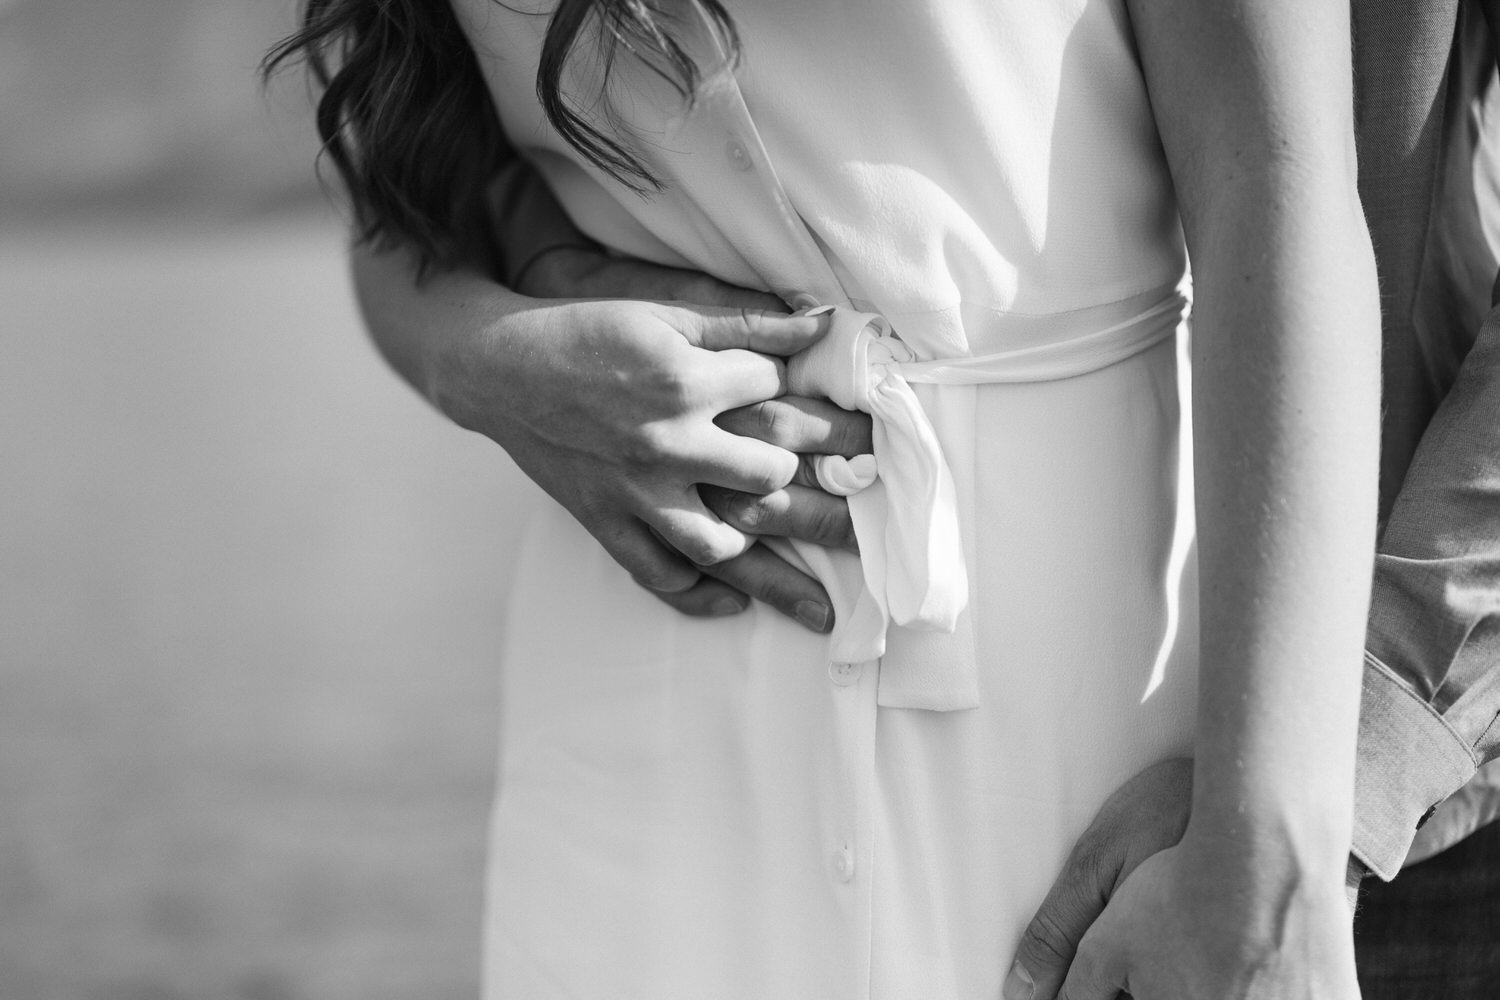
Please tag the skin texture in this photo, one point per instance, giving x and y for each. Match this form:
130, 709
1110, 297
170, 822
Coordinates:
648, 401
805, 426
1148, 814
1253, 101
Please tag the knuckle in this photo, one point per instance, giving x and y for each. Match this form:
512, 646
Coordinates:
652, 445
1090, 871
770, 420
1046, 942
778, 475
695, 549
782, 424
670, 384
708, 549
745, 511
772, 480
1083, 860
676, 387
764, 421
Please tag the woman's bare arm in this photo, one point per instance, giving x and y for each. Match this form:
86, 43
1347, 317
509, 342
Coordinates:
1253, 101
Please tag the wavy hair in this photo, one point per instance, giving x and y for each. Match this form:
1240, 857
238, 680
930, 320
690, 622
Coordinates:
406, 118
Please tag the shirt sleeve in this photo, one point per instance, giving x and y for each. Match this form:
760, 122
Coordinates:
1430, 714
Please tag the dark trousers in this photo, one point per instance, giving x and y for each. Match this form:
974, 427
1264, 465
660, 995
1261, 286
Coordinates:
1434, 932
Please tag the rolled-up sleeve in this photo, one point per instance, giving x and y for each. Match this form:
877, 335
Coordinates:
1431, 709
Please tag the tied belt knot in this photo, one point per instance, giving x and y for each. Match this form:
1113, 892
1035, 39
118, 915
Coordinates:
914, 570
912, 585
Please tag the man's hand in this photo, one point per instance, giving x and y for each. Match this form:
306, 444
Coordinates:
803, 426
1147, 815
1194, 922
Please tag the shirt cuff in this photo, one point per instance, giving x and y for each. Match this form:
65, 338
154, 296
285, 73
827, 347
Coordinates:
1410, 759
1475, 805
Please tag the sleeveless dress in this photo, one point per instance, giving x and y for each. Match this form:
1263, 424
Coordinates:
738, 808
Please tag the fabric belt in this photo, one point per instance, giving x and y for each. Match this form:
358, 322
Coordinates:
902, 500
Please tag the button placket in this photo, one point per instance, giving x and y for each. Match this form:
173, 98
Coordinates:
739, 157
746, 155
841, 863
852, 708
845, 674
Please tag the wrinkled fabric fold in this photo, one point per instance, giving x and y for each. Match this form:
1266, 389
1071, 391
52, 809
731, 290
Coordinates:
910, 547
905, 606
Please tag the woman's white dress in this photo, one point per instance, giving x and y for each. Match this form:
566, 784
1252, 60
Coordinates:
721, 809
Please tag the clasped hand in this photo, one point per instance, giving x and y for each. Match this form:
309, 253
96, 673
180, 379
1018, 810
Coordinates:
1142, 909
649, 402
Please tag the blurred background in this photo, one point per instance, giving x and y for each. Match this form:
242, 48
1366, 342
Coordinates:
250, 586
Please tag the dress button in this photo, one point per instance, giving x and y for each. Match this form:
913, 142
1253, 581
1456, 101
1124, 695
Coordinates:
844, 674
841, 863
739, 156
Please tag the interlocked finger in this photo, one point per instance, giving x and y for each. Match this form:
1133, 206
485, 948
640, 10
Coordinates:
802, 424
738, 463
708, 598
696, 532
767, 577
766, 332
800, 512
653, 564
730, 379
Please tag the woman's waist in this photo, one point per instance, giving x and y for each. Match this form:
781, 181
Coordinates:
865, 349
1032, 346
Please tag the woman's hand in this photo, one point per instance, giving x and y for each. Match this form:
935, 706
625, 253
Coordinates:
1182, 927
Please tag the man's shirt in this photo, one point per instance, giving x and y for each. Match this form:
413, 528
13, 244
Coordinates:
1430, 717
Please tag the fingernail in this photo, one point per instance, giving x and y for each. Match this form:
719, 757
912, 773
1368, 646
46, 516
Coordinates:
813, 615
725, 606
1018, 984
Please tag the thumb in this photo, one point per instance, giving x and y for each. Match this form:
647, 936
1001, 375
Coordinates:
1051, 938
720, 329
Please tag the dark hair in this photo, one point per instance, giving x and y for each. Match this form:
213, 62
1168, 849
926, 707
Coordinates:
406, 118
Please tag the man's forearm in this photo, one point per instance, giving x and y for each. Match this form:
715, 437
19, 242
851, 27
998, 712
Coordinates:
1432, 683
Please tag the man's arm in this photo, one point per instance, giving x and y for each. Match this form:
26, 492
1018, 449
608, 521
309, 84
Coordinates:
1424, 729
1414, 750
528, 256
1431, 708
1432, 672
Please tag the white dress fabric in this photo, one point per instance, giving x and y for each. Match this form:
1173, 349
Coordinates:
725, 809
